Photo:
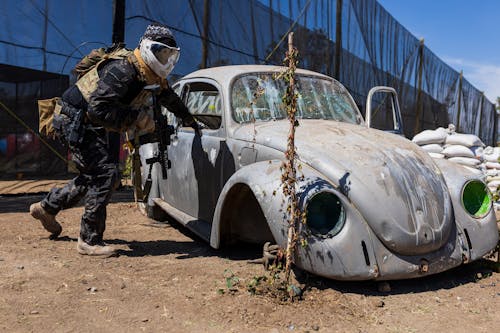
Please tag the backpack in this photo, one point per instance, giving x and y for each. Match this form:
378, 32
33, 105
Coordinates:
96, 56
87, 69
47, 108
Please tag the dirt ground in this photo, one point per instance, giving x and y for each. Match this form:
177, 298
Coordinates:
167, 280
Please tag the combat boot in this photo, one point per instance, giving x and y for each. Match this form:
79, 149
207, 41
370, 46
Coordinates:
94, 250
48, 220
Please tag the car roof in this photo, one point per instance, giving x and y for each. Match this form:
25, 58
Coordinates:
225, 73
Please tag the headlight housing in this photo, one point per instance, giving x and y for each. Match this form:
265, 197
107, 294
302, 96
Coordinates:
476, 198
325, 214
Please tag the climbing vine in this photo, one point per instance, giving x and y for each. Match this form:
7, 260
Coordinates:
289, 172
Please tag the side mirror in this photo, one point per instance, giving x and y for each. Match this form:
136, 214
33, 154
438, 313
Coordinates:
390, 96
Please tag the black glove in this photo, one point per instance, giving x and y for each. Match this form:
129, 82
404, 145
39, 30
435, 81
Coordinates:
191, 122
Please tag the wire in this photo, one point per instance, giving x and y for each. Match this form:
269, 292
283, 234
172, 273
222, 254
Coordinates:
34, 48
77, 48
33, 132
53, 24
194, 35
288, 31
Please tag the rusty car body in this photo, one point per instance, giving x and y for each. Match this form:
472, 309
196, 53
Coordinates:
377, 206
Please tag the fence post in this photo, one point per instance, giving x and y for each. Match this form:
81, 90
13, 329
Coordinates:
254, 35
480, 114
204, 51
117, 37
495, 127
338, 39
44, 41
118, 21
419, 88
457, 128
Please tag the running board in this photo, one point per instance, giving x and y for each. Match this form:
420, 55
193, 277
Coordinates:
200, 227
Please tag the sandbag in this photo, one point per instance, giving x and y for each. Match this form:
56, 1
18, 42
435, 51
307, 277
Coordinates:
465, 161
492, 165
432, 148
436, 155
494, 184
474, 171
478, 151
492, 172
491, 154
430, 136
457, 151
488, 150
492, 178
468, 140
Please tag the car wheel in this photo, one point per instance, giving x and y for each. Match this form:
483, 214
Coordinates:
154, 212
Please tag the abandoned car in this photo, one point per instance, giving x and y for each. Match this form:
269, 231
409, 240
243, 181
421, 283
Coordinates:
376, 205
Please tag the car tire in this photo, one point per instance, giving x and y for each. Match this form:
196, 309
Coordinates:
153, 212
156, 213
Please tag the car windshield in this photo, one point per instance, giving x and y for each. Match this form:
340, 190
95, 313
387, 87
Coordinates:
258, 96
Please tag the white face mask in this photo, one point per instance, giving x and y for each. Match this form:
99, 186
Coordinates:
160, 57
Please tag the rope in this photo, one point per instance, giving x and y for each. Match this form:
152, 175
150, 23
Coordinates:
33, 132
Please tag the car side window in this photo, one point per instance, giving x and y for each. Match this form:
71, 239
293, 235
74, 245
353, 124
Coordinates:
204, 102
172, 120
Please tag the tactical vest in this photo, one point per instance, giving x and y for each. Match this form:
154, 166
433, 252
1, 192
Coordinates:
87, 84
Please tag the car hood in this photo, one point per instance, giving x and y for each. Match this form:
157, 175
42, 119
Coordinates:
394, 184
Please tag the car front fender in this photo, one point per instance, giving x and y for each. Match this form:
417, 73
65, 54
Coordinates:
480, 234
347, 255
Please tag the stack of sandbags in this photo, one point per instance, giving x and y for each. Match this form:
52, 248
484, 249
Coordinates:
464, 149
432, 141
492, 167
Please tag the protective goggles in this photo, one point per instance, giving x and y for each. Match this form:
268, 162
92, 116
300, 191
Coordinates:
165, 54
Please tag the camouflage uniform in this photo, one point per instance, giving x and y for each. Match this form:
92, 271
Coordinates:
108, 109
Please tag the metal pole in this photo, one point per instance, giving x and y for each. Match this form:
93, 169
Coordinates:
480, 114
495, 127
419, 87
117, 37
206, 17
328, 23
338, 40
254, 37
118, 21
457, 128
271, 18
45, 16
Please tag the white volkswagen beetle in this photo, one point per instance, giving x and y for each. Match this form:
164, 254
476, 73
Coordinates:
377, 206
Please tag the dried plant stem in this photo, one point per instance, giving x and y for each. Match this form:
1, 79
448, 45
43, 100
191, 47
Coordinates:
289, 172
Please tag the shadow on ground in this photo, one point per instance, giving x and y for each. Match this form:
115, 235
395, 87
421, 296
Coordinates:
20, 203
461, 275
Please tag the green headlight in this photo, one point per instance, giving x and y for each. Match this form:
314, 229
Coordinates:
325, 214
476, 198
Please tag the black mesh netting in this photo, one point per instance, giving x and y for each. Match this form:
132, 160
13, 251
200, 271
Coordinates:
22, 151
355, 41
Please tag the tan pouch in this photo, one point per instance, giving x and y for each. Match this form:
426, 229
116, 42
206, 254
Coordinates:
46, 110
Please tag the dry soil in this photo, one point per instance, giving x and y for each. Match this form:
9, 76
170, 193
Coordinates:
167, 280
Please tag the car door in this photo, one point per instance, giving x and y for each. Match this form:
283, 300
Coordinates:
200, 163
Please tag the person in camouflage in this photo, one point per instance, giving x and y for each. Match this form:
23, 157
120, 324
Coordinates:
112, 103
